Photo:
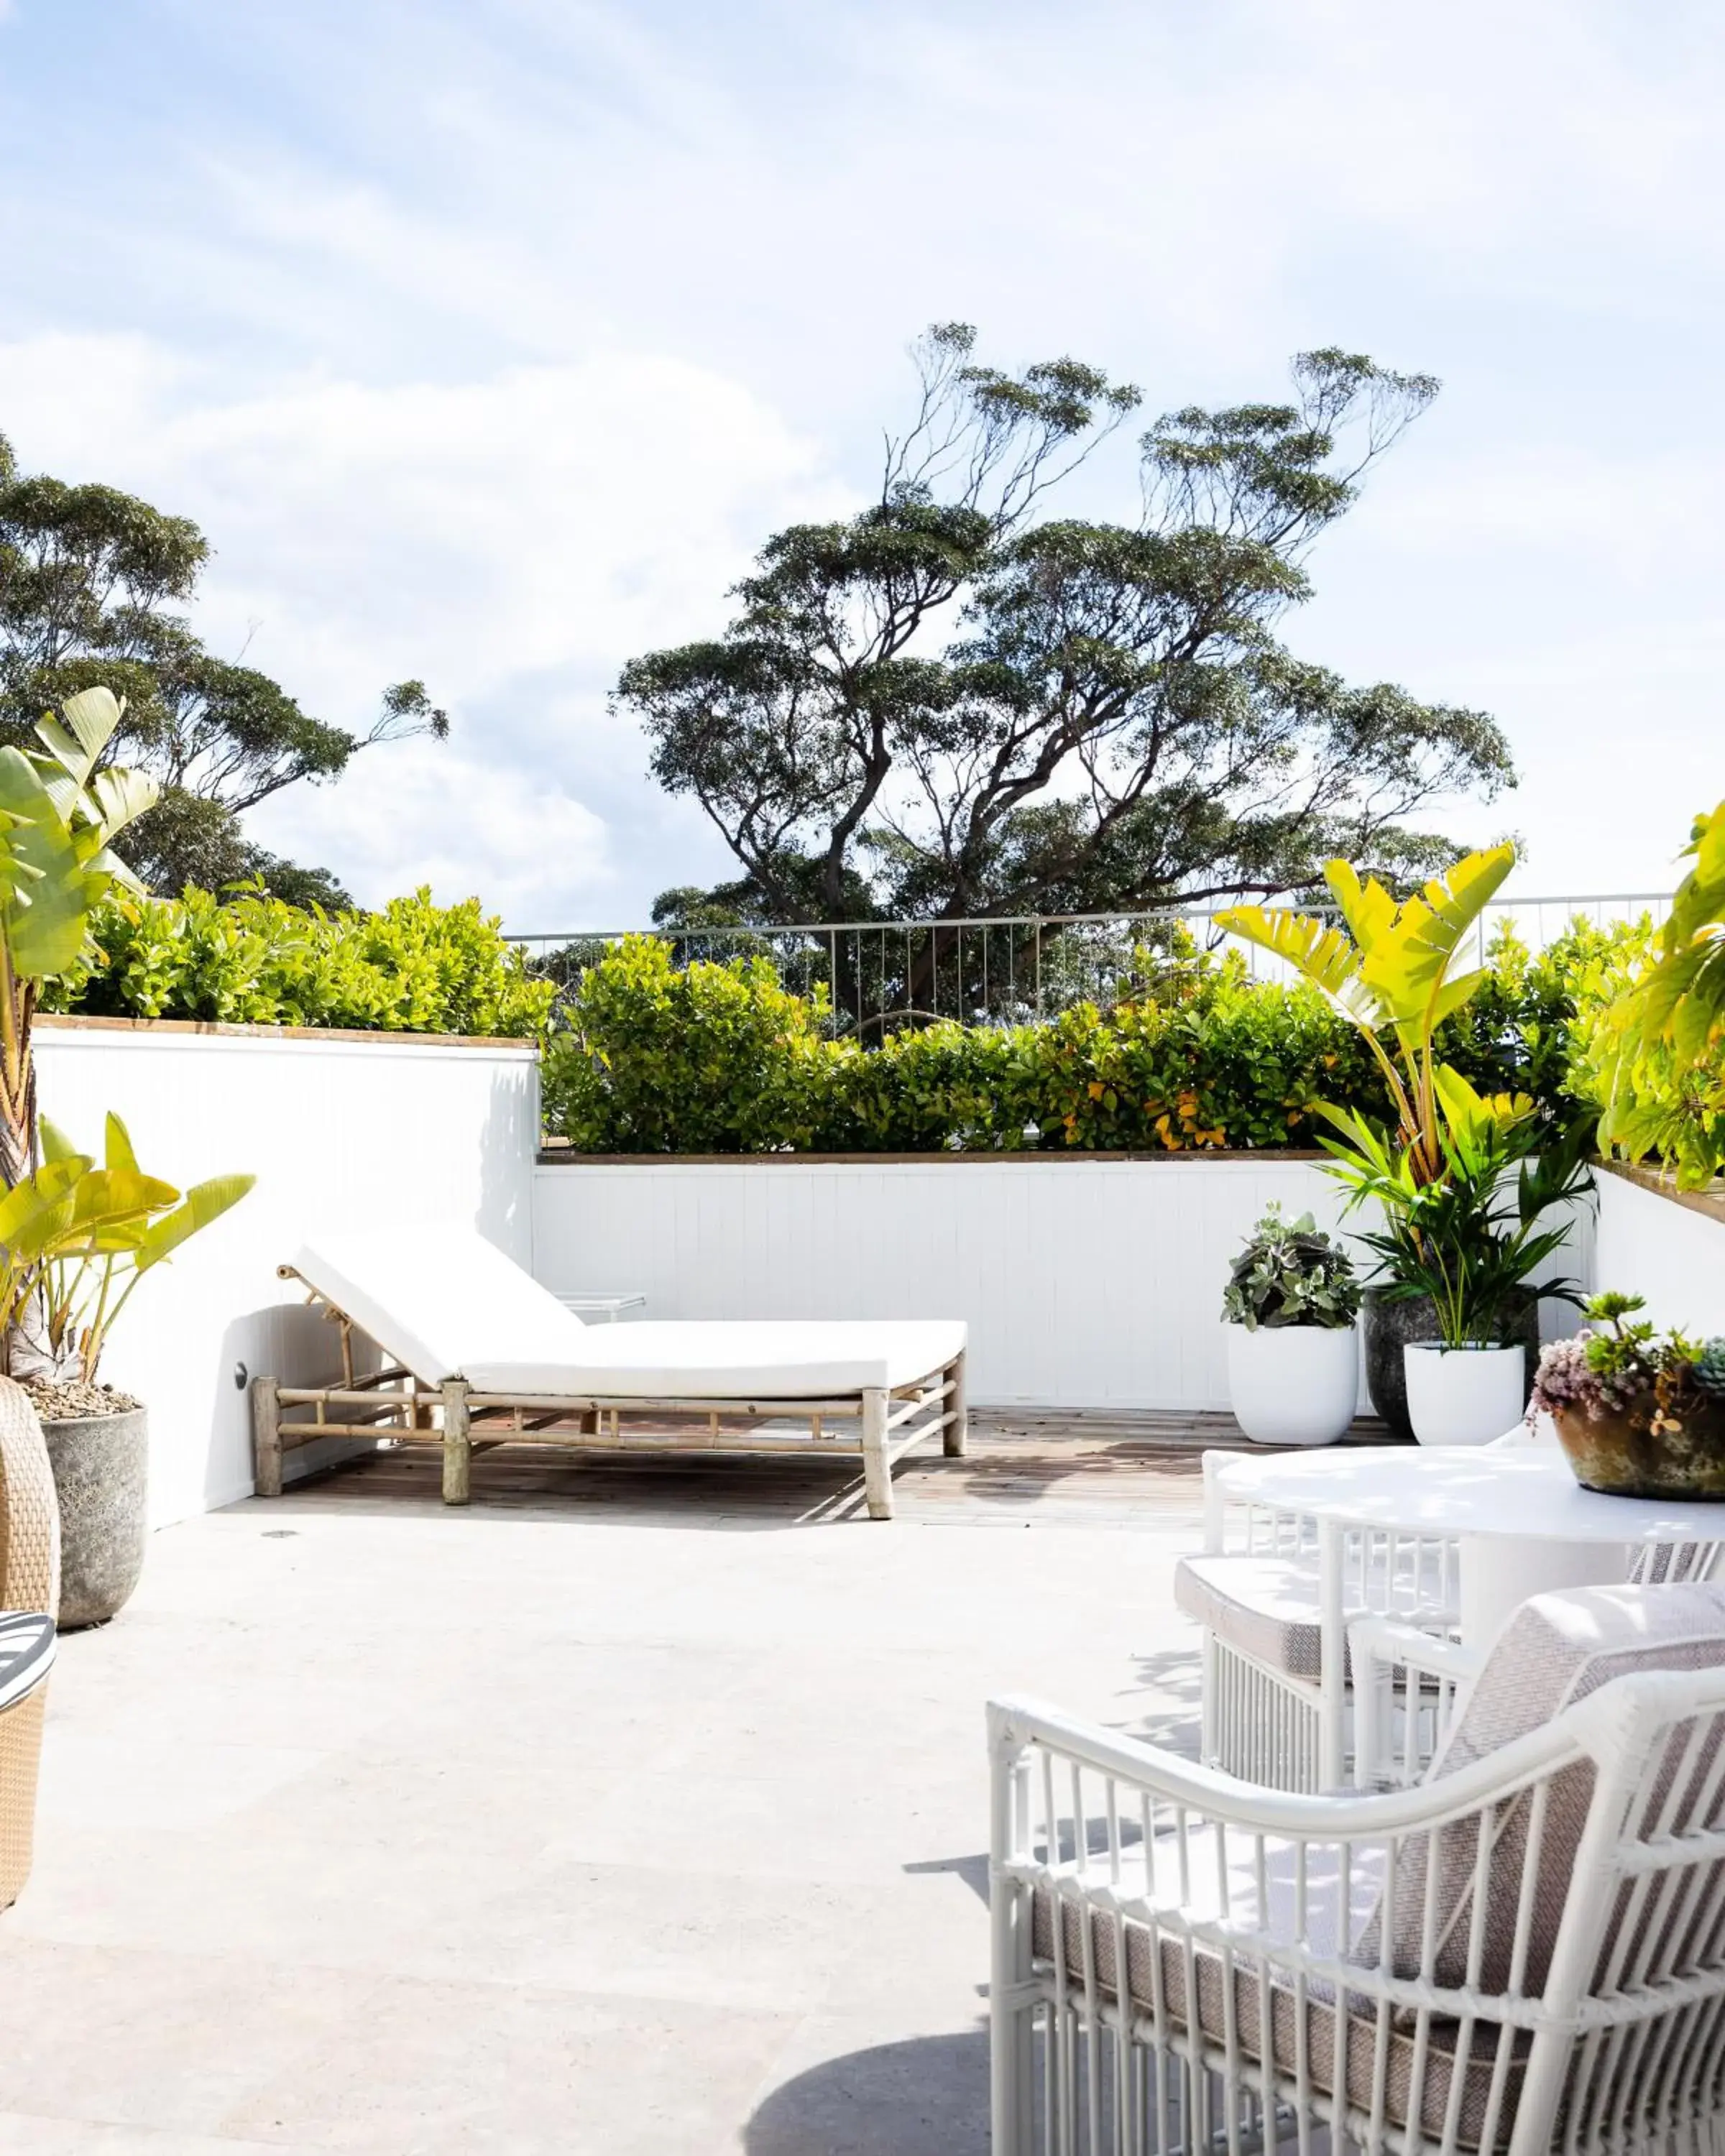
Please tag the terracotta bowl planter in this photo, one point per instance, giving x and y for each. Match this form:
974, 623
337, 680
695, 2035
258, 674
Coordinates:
1624, 1456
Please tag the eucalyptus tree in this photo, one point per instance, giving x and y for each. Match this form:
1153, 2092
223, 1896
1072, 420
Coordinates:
92, 581
956, 703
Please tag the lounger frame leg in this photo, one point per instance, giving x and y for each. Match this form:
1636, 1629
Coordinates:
877, 1471
266, 1437
458, 1447
955, 1438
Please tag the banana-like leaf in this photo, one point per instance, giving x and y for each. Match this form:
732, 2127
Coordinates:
1410, 956
121, 796
204, 1201
1319, 952
90, 718
1368, 907
56, 1146
117, 1151
107, 1195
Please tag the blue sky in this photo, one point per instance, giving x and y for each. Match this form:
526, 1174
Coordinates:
486, 340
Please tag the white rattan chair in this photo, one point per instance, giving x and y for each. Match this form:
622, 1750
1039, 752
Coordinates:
1526, 1953
1277, 1705
1407, 1684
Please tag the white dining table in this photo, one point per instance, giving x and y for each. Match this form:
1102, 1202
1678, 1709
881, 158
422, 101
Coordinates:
1522, 1522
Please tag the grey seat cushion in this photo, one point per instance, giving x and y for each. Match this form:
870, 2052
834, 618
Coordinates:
1264, 1607
1297, 2028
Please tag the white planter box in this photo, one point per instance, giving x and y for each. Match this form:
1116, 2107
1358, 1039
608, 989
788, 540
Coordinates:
1464, 1395
1293, 1384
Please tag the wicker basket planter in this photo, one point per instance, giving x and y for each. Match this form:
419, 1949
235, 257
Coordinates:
1625, 1456
101, 1476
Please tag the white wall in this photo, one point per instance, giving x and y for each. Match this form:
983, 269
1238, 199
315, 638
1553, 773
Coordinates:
1649, 1246
1083, 1282
338, 1131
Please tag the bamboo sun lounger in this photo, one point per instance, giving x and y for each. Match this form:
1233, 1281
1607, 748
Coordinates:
479, 1354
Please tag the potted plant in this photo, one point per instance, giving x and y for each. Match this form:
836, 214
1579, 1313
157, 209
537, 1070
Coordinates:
60, 814
76, 1240
1639, 1414
1465, 1246
1290, 1307
1455, 1259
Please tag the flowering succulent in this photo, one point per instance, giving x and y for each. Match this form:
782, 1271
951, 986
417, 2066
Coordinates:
1290, 1274
1619, 1362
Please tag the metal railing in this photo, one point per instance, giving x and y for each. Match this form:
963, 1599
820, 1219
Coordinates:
881, 974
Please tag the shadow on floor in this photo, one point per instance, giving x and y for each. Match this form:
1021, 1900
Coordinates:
1175, 1722
927, 2095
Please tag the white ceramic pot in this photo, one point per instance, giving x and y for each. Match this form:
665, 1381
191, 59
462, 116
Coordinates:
1293, 1384
1464, 1395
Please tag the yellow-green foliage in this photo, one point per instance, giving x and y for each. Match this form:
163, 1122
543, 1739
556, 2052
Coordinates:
721, 1058
1658, 1102
412, 967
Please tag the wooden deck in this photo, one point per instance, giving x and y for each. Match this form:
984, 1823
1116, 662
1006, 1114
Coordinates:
1026, 1467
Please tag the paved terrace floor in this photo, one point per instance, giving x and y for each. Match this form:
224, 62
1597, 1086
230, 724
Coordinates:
638, 1810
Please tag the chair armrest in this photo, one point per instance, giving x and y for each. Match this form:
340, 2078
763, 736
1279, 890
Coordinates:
1392, 1644
1017, 1727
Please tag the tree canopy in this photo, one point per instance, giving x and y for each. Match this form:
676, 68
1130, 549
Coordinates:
956, 703
91, 581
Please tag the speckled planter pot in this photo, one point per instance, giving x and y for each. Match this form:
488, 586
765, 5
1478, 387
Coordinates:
1388, 1326
101, 1476
1624, 1456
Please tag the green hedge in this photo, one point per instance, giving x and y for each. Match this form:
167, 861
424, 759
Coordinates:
412, 967
720, 1058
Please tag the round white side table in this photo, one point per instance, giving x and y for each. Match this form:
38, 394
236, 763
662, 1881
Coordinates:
1522, 1521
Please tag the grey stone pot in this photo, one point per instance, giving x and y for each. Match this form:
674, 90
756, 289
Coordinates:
1387, 1328
101, 1476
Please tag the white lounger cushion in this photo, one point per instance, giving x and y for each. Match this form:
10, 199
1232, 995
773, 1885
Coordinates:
445, 1303
735, 1359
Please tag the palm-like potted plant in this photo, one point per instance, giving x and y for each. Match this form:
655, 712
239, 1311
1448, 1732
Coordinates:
67, 1227
1290, 1306
76, 1240
1455, 1259
1466, 1246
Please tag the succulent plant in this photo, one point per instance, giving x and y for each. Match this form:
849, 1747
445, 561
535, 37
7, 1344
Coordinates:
1710, 1365
1620, 1360
1291, 1273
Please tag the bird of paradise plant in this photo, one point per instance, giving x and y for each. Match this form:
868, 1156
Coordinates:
1387, 969
1450, 1231
76, 1240
58, 816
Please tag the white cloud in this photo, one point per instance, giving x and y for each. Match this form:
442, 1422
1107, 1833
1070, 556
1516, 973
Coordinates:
510, 541
439, 816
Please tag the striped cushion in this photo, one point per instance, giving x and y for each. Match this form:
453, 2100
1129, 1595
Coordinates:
26, 1655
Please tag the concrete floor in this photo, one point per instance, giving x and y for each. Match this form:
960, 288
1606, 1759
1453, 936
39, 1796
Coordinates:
379, 1828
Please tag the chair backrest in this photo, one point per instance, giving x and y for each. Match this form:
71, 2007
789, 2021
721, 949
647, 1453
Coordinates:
1494, 1923
439, 1298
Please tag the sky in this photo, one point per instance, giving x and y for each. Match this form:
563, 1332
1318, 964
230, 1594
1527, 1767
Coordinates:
487, 339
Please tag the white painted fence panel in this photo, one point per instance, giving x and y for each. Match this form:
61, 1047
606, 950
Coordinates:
1649, 1244
1084, 1283
339, 1133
